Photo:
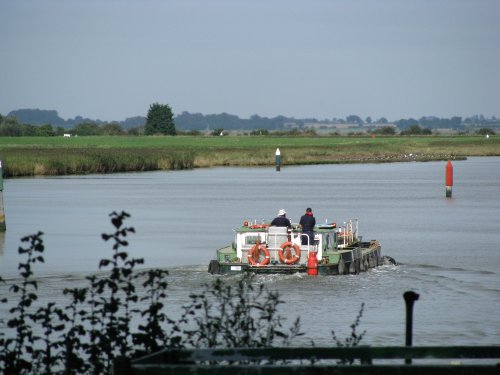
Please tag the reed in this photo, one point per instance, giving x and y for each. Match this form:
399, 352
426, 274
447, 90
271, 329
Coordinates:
30, 156
53, 161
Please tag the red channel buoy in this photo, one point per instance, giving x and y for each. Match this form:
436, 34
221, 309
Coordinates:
312, 264
449, 179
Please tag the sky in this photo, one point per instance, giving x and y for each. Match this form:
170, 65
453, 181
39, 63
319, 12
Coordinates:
111, 60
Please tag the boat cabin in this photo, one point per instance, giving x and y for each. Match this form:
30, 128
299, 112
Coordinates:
327, 238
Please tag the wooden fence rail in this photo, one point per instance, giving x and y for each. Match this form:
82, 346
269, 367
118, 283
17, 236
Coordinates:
317, 361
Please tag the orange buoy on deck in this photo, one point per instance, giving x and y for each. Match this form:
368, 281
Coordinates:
449, 179
312, 264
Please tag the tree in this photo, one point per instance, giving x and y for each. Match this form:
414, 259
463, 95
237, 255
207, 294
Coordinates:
87, 128
385, 130
10, 127
112, 129
416, 130
29, 130
353, 119
406, 123
160, 120
46, 131
60, 130
485, 131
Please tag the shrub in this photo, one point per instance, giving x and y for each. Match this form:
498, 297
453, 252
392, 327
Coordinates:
103, 320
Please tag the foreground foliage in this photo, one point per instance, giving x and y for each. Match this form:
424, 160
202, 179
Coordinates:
111, 318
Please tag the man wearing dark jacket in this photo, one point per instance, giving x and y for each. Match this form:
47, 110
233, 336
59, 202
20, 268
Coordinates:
307, 223
281, 220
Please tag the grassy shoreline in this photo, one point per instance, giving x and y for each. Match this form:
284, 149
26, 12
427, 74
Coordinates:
36, 156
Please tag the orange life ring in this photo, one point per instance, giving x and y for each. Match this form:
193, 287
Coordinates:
295, 257
252, 258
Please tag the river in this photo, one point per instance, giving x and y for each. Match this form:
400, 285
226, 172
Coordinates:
448, 249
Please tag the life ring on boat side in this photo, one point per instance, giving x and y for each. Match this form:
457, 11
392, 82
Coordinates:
253, 257
288, 245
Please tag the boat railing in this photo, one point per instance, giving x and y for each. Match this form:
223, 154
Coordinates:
277, 236
274, 238
348, 233
311, 246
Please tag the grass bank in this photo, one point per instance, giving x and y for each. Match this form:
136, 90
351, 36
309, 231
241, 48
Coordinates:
30, 156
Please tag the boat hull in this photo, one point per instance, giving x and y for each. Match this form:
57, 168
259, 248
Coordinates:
351, 260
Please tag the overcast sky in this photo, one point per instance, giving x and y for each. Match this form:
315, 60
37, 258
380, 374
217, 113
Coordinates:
110, 60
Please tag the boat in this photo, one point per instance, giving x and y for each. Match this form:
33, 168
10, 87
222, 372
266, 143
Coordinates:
264, 249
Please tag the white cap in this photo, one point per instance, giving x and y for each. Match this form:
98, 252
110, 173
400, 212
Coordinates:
282, 212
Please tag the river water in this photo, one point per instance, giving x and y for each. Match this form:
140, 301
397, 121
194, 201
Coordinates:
448, 249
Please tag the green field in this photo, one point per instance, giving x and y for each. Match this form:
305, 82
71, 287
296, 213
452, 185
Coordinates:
29, 156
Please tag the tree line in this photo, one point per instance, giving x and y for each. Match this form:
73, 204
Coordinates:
161, 120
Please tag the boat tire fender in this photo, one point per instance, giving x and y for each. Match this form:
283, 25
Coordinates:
341, 267
214, 267
354, 267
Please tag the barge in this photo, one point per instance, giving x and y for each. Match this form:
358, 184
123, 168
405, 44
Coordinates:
261, 248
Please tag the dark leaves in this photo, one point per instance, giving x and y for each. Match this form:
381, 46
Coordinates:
104, 263
96, 325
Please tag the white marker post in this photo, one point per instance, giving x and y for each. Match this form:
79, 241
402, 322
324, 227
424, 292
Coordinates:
278, 159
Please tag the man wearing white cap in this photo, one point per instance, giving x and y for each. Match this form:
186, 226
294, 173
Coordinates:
281, 220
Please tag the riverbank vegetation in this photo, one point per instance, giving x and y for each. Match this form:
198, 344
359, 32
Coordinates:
124, 312
31, 156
